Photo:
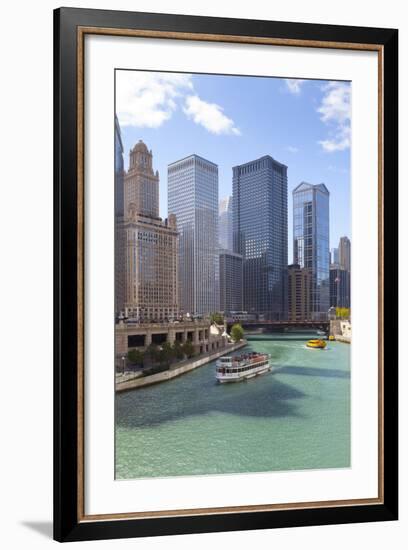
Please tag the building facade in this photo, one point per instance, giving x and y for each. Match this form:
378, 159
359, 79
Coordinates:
152, 290
193, 198
299, 293
231, 280
339, 287
225, 224
120, 242
345, 253
311, 242
260, 234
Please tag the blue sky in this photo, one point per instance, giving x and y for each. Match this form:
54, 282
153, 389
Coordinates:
231, 120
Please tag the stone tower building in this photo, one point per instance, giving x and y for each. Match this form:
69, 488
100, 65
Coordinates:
152, 292
141, 182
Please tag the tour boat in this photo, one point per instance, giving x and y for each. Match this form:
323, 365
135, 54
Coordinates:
317, 344
242, 367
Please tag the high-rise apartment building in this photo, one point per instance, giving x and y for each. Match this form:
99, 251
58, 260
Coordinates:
231, 279
193, 198
345, 253
311, 242
120, 242
299, 293
260, 234
151, 245
225, 223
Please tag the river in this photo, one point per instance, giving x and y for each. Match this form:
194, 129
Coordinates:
297, 417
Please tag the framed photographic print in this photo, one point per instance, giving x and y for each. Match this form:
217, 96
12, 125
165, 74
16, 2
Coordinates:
225, 274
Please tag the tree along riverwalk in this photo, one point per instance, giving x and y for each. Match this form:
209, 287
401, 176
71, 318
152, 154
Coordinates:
175, 370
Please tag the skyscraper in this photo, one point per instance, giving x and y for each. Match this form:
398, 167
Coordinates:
339, 287
119, 171
230, 281
345, 253
225, 223
260, 234
152, 267
120, 243
311, 242
299, 285
151, 244
193, 198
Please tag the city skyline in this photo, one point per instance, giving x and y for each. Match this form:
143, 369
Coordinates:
304, 124
256, 229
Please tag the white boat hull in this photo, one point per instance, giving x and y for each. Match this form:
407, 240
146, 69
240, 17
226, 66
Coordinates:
240, 376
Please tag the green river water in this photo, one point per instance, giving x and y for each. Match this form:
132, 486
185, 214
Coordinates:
297, 417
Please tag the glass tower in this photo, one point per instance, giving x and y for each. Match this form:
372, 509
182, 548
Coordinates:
120, 243
311, 242
260, 234
193, 198
230, 281
225, 223
339, 287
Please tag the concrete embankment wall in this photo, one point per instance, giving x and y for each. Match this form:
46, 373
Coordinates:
341, 330
345, 339
176, 370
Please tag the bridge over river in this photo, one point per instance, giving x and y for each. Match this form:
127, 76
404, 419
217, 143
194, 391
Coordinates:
283, 326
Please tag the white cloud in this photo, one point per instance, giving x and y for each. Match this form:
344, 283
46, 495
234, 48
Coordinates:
209, 115
292, 149
147, 99
294, 85
335, 112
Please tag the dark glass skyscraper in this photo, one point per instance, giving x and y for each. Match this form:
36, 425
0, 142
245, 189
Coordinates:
230, 281
119, 171
339, 287
260, 234
119, 221
311, 242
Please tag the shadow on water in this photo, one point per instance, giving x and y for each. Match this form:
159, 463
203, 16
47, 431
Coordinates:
264, 397
312, 371
278, 339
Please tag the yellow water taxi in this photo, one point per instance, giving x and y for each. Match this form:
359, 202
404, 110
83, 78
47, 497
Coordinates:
331, 337
317, 344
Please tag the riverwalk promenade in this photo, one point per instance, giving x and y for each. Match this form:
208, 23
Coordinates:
125, 382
